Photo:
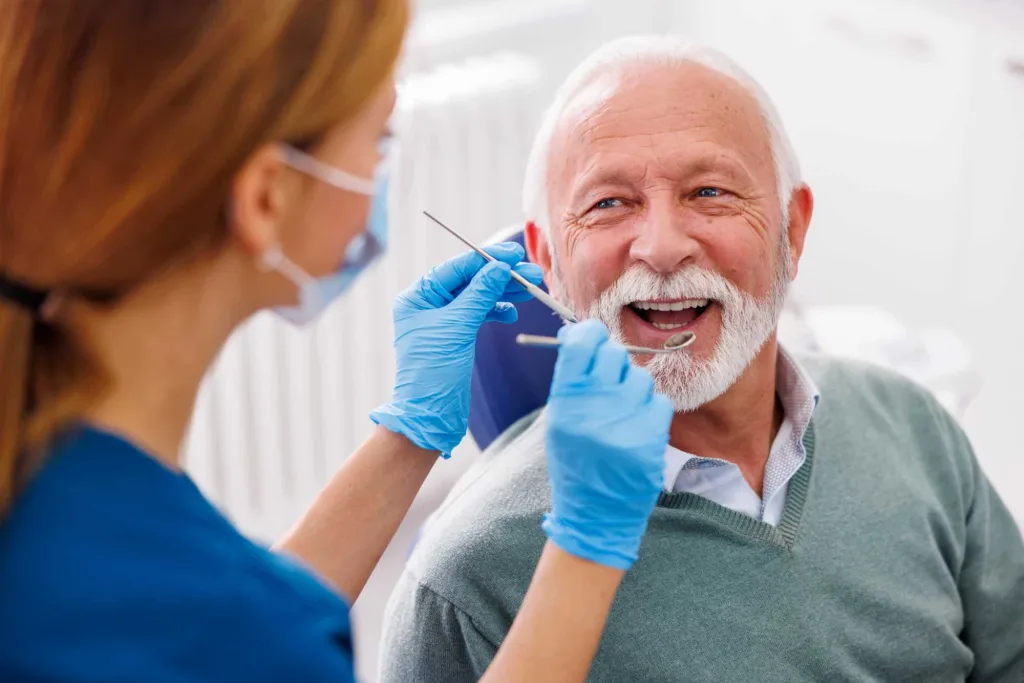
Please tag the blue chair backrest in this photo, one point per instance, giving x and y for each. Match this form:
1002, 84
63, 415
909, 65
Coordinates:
511, 381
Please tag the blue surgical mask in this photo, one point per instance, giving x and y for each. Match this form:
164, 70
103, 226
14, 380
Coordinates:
316, 294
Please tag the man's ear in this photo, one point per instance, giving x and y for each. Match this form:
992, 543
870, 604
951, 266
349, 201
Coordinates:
537, 248
801, 207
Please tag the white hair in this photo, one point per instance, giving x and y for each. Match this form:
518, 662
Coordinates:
653, 50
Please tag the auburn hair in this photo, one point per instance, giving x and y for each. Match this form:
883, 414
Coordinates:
122, 124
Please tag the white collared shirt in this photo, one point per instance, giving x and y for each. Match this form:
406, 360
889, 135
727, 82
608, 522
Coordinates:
722, 482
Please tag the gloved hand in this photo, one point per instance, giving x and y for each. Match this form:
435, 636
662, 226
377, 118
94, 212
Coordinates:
607, 432
436, 323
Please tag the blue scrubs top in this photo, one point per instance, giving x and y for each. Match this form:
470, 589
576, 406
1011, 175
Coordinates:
114, 568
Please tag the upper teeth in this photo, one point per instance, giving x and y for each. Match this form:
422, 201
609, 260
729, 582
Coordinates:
674, 306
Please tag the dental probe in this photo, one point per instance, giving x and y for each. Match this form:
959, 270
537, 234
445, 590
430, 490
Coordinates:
674, 343
533, 289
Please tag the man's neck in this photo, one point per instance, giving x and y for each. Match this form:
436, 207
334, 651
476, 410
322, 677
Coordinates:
740, 425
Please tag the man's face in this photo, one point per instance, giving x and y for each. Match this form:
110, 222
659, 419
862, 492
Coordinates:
666, 217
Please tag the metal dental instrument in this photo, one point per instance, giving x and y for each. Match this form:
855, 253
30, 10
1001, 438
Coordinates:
533, 289
674, 343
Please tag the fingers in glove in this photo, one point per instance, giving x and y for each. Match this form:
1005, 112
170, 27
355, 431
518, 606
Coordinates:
503, 312
484, 291
454, 274
446, 281
515, 297
638, 385
507, 252
611, 364
515, 291
579, 344
662, 412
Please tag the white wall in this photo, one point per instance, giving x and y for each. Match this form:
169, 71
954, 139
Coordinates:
991, 263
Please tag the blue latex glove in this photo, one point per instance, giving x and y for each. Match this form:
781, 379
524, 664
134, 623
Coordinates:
607, 432
436, 323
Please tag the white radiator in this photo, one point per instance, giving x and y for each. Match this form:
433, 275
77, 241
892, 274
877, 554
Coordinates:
282, 408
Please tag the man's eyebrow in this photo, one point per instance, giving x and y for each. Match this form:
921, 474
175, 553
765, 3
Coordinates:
603, 176
718, 163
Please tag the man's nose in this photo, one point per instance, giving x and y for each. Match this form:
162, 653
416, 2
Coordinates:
663, 241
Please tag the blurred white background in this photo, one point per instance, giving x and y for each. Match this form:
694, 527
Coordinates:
908, 117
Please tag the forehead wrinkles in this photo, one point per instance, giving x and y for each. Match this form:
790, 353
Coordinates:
578, 116
653, 105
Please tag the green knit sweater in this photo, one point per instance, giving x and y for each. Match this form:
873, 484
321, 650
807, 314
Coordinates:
894, 561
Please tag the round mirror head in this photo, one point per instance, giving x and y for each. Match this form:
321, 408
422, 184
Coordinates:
679, 341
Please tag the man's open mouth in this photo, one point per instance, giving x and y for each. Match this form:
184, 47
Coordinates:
670, 315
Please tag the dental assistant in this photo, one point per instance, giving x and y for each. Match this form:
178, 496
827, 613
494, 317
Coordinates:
169, 168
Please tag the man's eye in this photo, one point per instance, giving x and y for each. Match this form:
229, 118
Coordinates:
607, 204
709, 192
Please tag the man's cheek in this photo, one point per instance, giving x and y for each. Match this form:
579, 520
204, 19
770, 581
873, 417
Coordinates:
586, 288
599, 261
743, 258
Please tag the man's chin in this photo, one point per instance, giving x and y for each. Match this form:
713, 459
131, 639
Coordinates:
701, 373
692, 382
683, 379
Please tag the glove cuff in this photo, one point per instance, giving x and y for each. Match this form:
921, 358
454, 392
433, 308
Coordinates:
393, 417
618, 555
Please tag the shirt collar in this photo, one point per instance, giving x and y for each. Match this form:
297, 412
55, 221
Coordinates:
799, 397
796, 391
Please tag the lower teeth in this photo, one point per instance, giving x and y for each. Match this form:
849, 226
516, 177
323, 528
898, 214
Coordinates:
664, 326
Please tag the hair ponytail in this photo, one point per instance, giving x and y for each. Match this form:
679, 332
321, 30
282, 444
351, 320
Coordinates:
16, 330
47, 377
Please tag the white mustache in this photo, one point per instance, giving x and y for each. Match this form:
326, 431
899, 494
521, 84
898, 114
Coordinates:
640, 284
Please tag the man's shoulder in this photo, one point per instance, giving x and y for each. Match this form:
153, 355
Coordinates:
891, 414
490, 523
849, 384
203, 582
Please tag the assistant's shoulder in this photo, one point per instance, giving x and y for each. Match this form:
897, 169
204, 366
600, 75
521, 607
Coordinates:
93, 580
489, 525
168, 617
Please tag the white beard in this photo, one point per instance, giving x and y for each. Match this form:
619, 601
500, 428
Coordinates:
747, 324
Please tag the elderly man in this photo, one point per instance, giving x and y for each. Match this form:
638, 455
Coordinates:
821, 521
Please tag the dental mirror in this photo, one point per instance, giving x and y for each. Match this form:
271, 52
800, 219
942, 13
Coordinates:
679, 341
674, 343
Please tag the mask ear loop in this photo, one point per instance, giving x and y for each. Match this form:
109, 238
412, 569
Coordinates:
324, 172
273, 259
